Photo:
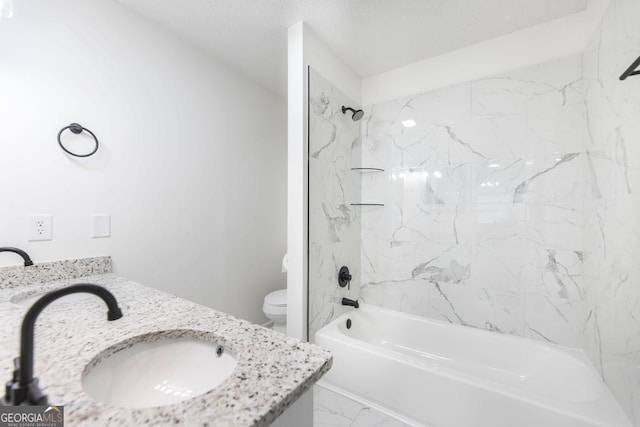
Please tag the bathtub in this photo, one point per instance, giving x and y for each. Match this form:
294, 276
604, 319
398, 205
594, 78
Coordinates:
431, 373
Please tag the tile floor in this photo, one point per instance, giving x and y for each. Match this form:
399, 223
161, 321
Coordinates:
331, 409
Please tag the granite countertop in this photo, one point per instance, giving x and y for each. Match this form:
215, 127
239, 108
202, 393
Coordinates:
273, 370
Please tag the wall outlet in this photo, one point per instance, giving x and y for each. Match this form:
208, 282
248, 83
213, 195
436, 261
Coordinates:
40, 227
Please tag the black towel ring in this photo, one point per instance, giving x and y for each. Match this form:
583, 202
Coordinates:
76, 128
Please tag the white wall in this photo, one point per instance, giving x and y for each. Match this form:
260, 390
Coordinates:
304, 50
191, 164
551, 40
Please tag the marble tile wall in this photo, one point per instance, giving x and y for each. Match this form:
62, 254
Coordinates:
334, 224
612, 228
484, 203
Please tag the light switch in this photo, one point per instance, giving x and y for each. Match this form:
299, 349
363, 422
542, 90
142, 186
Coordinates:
101, 226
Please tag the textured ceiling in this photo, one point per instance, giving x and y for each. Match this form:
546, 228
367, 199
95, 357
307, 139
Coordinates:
370, 36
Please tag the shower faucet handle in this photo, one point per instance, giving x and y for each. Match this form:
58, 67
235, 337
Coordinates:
344, 277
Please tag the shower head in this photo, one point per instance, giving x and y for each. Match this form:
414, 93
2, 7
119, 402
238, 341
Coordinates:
355, 114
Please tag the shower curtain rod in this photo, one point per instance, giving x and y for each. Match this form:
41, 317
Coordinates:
631, 71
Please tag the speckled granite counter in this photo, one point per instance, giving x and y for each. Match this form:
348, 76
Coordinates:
273, 370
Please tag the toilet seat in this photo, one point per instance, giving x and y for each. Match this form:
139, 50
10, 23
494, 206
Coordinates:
277, 298
275, 305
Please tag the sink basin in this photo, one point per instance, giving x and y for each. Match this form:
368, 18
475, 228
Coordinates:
158, 373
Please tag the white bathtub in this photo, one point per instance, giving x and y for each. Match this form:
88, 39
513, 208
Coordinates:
436, 374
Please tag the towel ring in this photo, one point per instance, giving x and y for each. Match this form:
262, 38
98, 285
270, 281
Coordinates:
77, 129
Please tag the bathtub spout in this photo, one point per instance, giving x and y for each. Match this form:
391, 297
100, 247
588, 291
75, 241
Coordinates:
350, 302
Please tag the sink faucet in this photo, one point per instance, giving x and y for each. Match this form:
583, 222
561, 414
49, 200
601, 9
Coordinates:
23, 254
23, 389
350, 302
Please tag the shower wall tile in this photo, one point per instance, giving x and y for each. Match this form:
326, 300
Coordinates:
541, 87
557, 179
612, 228
334, 224
556, 131
409, 296
555, 296
483, 203
491, 138
478, 306
500, 181
556, 226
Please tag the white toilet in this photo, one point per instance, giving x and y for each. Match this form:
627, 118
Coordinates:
275, 308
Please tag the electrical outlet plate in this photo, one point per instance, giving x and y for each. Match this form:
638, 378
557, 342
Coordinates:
40, 227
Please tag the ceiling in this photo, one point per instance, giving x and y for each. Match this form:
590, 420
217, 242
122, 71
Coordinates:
370, 36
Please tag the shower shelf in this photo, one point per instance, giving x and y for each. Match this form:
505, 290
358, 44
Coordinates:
367, 204
366, 170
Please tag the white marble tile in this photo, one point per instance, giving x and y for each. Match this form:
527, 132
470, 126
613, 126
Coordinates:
497, 138
493, 172
371, 418
561, 178
436, 223
615, 243
492, 225
619, 303
334, 224
431, 185
331, 409
622, 375
614, 170
426, 145
492, 296
500, 181
555, 307
611, 270
556, 131
556, 225
549, 85
441, 107
409, 295
477, 306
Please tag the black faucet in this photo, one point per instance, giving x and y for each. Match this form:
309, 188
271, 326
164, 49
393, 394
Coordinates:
23, 254
23, 389
350, 302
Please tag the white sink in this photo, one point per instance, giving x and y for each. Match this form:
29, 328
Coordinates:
159, 373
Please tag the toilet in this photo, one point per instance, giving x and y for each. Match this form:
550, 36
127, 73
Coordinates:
275, 308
